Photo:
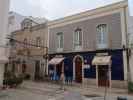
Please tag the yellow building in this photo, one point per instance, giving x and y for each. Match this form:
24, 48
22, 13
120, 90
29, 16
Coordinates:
29, 50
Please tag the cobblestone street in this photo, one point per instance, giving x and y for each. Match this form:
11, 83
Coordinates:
48, 91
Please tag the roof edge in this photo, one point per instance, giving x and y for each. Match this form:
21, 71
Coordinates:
89, 12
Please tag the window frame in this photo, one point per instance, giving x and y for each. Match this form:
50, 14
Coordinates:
38, 41
105, 43
59, 48
78, 47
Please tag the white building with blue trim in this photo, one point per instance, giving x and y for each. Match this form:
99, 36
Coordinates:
97, 38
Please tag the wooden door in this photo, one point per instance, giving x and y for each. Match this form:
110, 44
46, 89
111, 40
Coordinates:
103, 77
78, 70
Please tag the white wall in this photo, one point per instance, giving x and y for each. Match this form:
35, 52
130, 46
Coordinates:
4, 8
130, 38
16, 25
130, 4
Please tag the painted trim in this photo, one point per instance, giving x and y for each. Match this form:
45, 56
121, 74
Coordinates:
124, 41
123, 27
85, 18
106, 10
74, 73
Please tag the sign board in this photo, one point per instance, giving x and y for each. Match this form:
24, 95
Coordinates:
86, 66
102, 54
130, 7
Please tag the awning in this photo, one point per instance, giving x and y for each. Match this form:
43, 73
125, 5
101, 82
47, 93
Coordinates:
101, 60
56, 60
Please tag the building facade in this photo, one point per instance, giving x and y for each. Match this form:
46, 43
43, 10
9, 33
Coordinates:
82, 37
14, 21
28, 51
88, 48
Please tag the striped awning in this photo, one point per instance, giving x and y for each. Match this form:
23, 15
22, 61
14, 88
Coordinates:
101, 60
56, 60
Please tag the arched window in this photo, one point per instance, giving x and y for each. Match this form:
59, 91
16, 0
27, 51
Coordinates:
102, 36
78, 38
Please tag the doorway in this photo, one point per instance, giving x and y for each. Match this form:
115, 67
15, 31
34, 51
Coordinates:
78, 69
37, 70
59, 70
103, 76
24, 68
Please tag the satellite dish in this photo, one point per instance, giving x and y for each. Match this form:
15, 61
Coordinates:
130, 7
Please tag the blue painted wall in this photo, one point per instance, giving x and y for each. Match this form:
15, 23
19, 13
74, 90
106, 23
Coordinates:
117, 63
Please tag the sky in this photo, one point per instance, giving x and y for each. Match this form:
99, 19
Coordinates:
54, 9
130, 4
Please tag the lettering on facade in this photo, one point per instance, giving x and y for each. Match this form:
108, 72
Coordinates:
102, 54
87, 66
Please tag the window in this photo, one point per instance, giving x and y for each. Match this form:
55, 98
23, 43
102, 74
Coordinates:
26, 24
102, 36
11, 20
38, 41
24, 67
25, 43
78, 39
59, 41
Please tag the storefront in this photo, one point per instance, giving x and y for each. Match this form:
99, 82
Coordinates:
103, 70
56, 68
74, 66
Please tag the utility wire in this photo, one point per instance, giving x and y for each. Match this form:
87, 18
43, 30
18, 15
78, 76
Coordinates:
25, 43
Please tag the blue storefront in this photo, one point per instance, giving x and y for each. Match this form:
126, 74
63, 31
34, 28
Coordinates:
117, 68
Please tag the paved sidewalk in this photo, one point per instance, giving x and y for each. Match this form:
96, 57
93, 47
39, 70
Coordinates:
47, 91
48, 85
90, 91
